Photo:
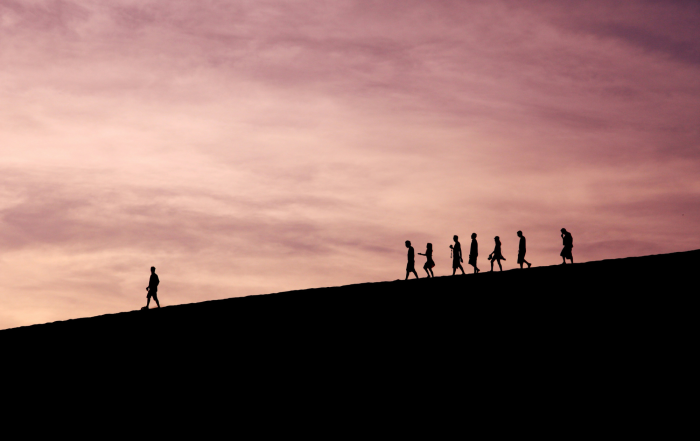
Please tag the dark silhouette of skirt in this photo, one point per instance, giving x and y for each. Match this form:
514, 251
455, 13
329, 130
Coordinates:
472, 260
411, 266
566, 253
429, 264
521, 257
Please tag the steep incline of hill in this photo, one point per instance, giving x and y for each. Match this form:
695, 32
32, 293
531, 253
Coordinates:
579, 300
578, 346
586, 336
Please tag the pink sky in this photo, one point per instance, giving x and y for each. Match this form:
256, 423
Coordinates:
247, 147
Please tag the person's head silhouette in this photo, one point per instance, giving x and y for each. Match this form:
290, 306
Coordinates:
408, 243
455, 238
520, 234
497, 239
563, 230
153, 269
473, 235
430, 246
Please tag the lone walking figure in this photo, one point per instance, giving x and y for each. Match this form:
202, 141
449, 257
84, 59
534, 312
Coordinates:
568, 245
152, 288
521, 251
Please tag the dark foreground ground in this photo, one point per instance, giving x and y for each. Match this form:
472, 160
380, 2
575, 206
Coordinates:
609, 329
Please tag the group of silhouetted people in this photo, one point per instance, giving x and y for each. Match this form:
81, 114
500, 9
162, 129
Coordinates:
495, 256
456, 255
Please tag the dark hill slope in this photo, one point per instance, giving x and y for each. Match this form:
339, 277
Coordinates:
550, 350
566, 304
626, 322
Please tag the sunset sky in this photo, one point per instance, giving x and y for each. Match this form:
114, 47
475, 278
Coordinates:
248, 147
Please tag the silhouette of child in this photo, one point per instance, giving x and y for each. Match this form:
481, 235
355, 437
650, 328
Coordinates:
568, 245
474, 253
429, 263
522, 251
411, 265
456, 256
152, 288
496, 254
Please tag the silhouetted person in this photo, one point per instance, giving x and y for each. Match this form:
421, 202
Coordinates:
429, 263
521, 251
474, 253
152, 288
411, 266
456, 256
568, 245
496, 254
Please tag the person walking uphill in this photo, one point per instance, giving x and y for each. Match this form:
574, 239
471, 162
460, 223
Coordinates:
429, 263
411, 265
474, 253
496, 255
521, 251
568, 245
456, 256
152, 288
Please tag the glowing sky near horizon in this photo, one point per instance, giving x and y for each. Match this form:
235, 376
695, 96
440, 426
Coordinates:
246, 147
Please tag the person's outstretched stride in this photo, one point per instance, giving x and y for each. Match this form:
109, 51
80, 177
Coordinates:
456, 256
521, 251
496, 254
152, 288
429, 263
474, 253
411, 265
568, 245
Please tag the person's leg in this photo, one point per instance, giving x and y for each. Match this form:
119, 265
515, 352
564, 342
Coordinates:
521, 265
492, 264
426, 271
499, 265
155, 297
416, 274
148, 301
432, 274
526, 263
563, 260
454, 270
407, 273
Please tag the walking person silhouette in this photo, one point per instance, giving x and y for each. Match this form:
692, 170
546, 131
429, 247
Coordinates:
456, 256
474, 253
411, 265
522, 251
429, 263
152, 288
496, 254
568, 245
